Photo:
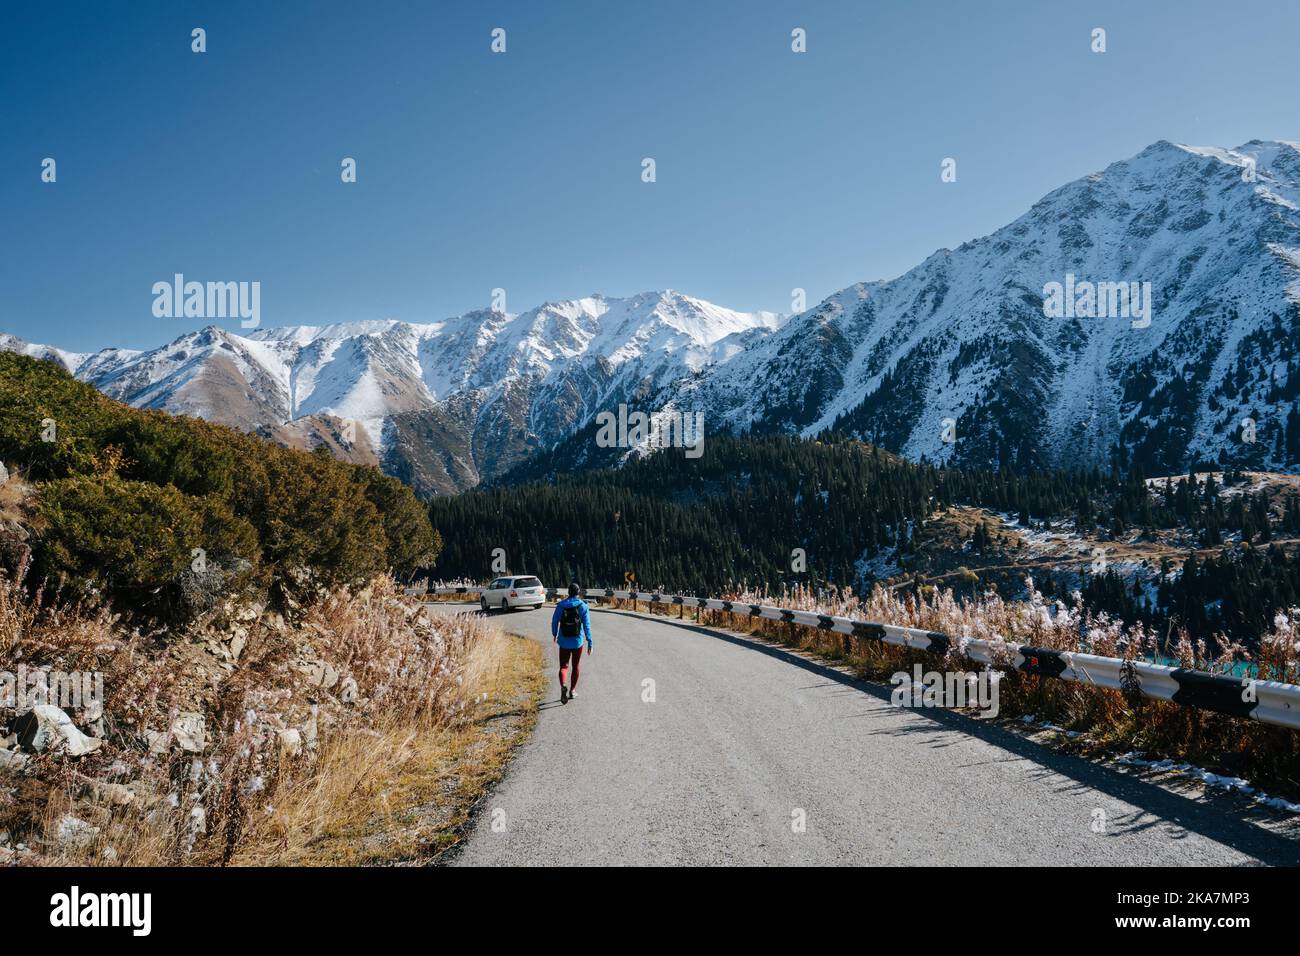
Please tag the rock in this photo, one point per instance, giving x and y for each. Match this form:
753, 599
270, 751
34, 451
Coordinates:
75, 832
114, 793
348, 692
318, 673
45, 727
290, 742
311, 729
12, 759
238, 638
4, 473
93, 715
188, 731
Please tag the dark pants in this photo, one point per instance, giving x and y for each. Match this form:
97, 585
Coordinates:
570, 656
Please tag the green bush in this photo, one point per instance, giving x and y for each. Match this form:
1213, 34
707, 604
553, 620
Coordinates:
126, 496
317, 517
137, 543
51, 425
412, 540
166, 450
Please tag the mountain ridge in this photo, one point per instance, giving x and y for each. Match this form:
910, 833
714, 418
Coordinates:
956, 360
439, 403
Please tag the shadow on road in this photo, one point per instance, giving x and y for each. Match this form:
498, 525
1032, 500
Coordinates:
1218, 816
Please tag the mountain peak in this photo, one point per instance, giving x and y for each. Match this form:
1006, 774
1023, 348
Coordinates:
1208, 237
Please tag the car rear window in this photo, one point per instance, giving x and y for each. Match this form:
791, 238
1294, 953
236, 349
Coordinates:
527, 583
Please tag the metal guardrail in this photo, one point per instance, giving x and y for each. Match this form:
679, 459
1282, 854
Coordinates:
1271, 702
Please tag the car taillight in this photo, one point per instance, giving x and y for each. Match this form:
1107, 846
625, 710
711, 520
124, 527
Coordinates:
514, 594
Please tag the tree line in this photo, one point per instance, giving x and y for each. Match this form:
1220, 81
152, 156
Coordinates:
770, 511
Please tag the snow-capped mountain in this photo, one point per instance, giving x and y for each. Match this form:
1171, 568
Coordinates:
964, 335
970, 357
441, 405
69, 360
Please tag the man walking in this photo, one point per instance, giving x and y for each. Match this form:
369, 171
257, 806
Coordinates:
570, 623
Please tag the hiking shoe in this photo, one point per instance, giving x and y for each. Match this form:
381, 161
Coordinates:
564, 694
572, 694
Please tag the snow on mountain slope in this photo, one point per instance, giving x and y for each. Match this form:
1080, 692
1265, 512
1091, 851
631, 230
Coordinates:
963, 336
961, 347
441, 404
69, 360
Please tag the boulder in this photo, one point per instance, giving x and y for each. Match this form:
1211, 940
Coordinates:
12, 759
188, 732
75, 832
45, 727
348, 692
318, 673
290, 742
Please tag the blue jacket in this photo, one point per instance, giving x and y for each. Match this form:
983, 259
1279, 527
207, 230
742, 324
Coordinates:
571, 642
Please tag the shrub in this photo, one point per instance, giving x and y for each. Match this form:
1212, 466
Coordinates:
138, 543
37, 395
176, 451
412, 542
316, 518
127, 496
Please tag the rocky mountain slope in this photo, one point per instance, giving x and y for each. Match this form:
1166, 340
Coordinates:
964, 336
1172, 342
441, 405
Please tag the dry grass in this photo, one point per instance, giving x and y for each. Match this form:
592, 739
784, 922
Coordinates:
15, 499
1110, 721
403, 791
361, 733
446, 598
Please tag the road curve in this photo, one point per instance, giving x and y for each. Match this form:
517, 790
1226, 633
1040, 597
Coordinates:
742, 735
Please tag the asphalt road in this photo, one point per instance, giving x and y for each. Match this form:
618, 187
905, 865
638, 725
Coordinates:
743, 739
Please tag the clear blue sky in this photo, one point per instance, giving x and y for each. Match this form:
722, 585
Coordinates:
522, 170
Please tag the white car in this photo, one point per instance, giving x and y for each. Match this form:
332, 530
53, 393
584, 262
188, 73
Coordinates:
506, 593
